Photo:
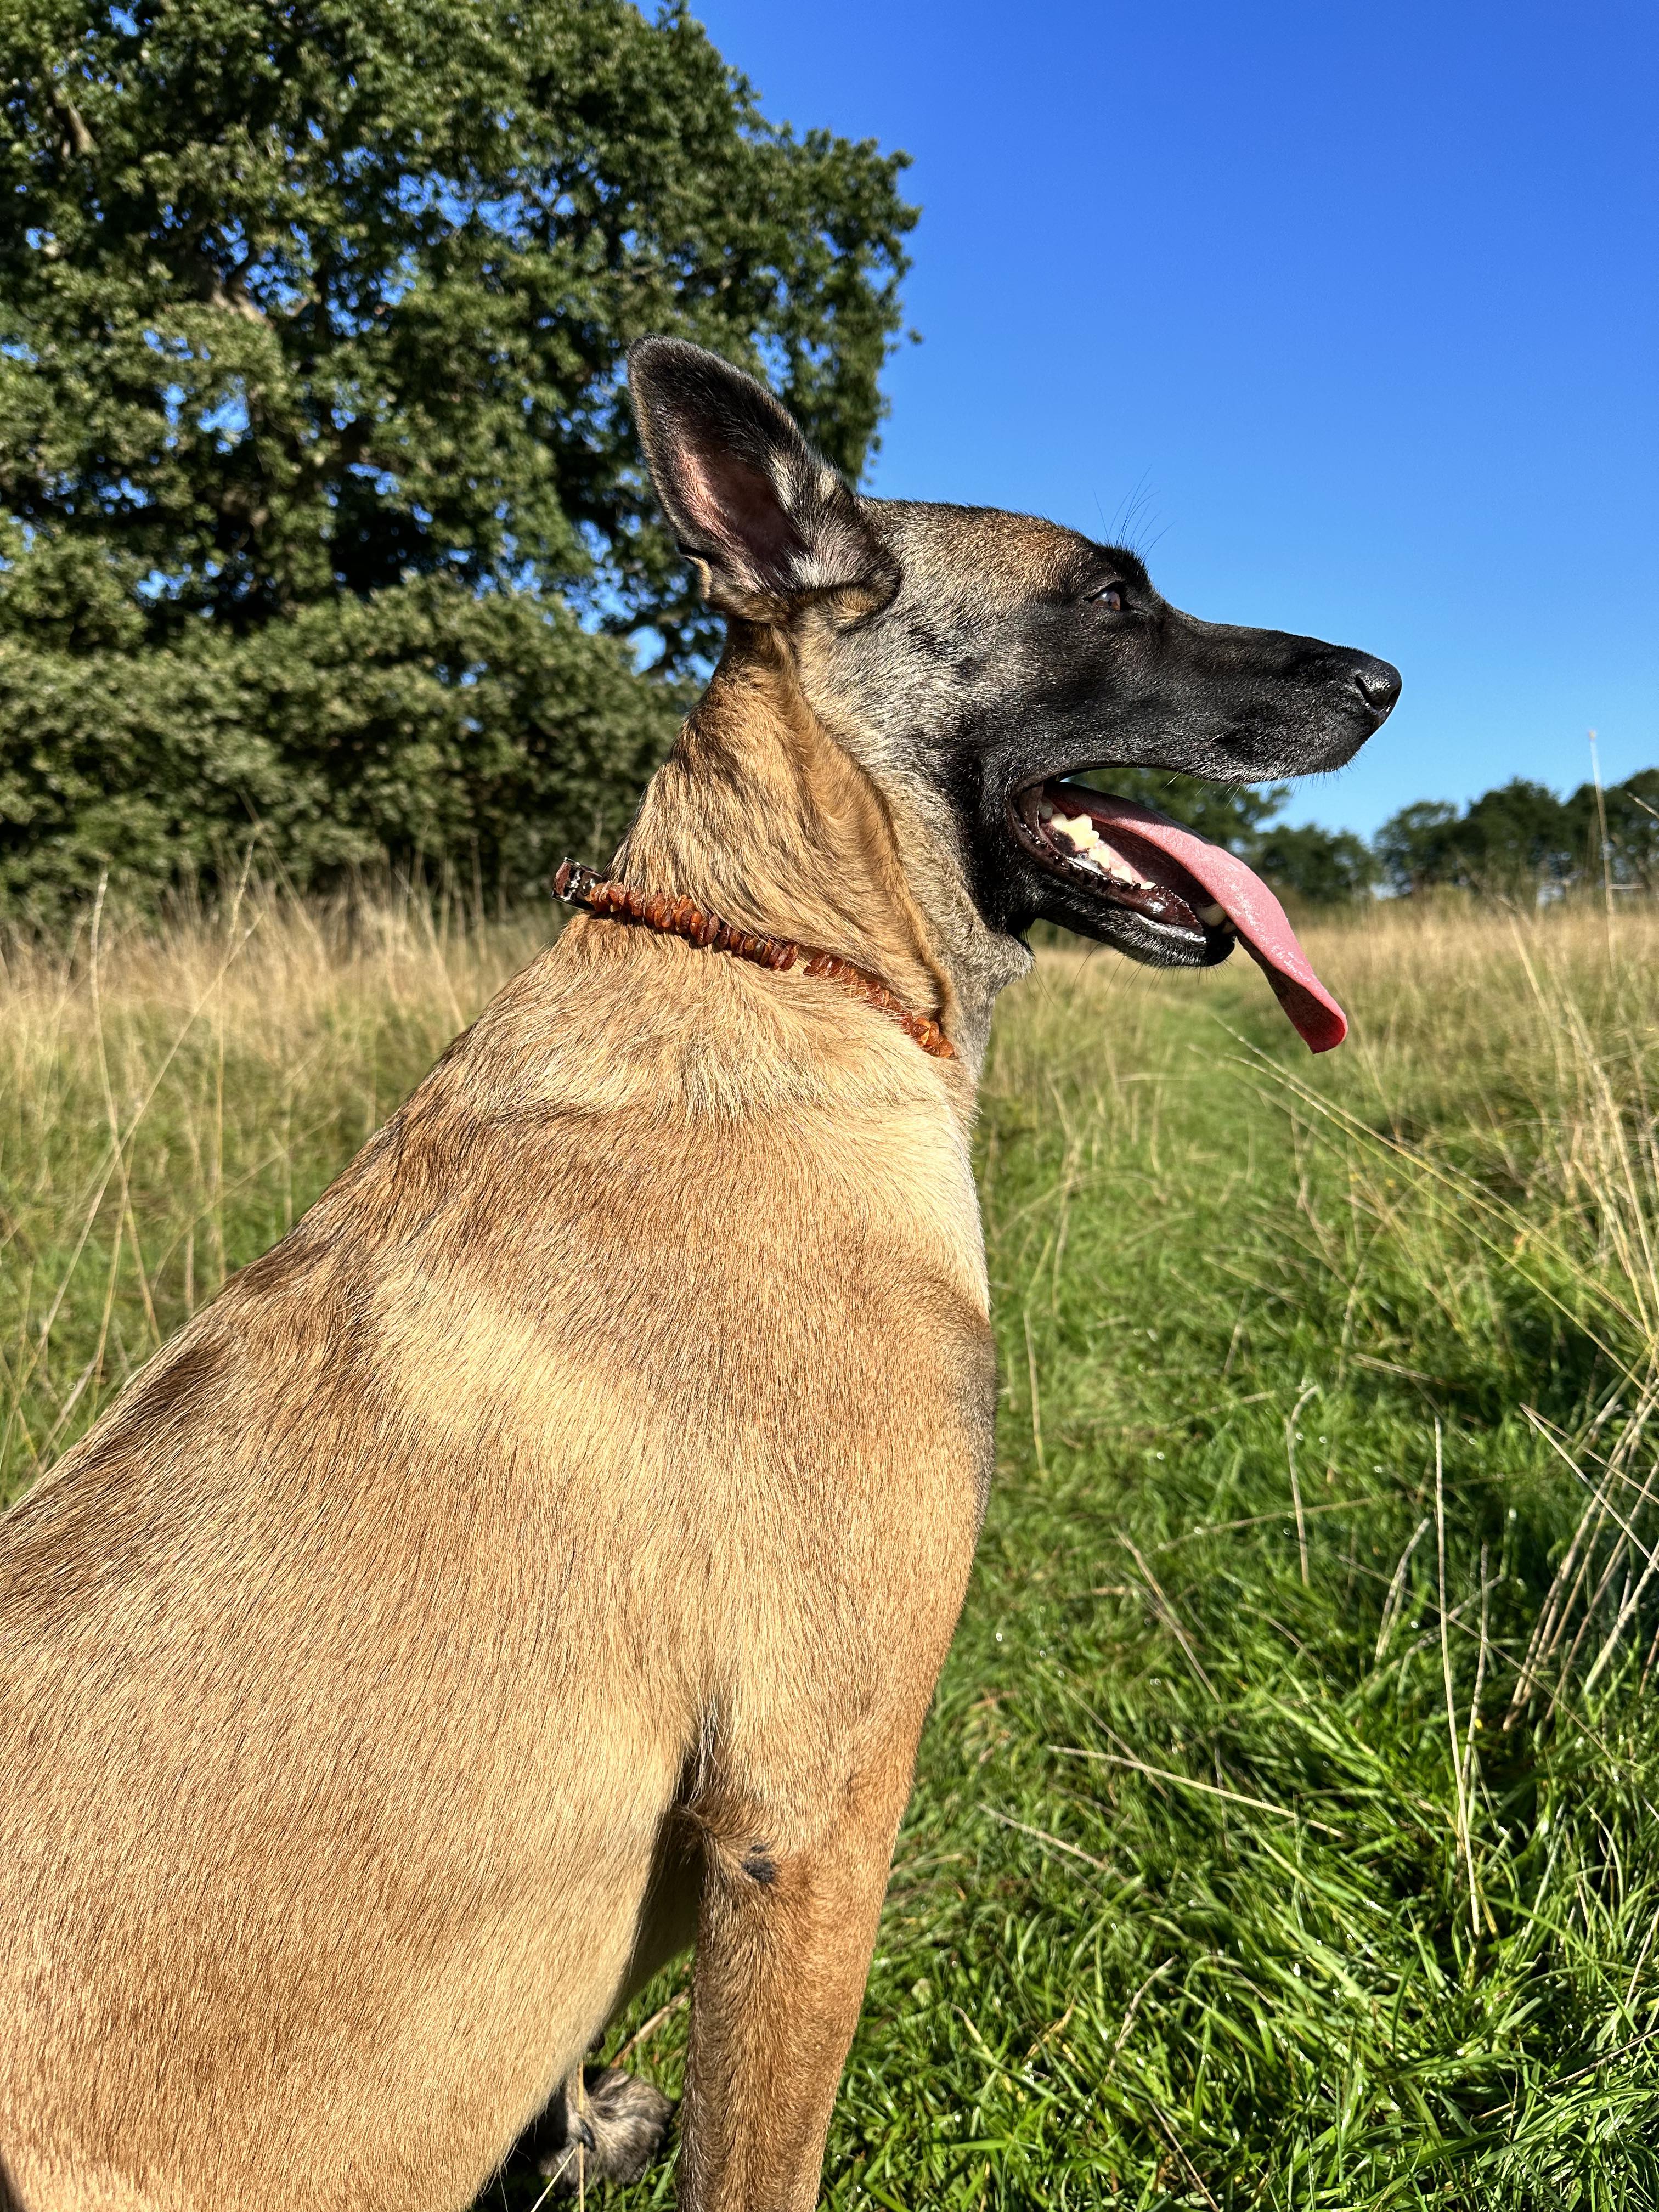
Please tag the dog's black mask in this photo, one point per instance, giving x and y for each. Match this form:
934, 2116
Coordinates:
989, 657
1109, 674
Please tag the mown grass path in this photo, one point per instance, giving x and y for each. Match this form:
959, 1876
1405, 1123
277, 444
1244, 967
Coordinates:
1285, 1831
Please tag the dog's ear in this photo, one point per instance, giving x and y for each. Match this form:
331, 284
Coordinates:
767, 520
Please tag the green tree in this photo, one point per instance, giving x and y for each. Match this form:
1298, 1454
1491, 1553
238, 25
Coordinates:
1516, 839
314, 442
1326, 867
1512, 841
1417, 847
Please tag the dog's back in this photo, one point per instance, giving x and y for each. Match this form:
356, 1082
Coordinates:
357, 1658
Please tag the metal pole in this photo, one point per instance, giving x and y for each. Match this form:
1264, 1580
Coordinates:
1607, 848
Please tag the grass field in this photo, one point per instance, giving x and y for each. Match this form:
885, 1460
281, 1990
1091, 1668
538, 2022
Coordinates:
1286, 1829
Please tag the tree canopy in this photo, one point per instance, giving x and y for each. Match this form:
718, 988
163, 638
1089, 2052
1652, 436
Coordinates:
1520, 839
320, 499
1326, 867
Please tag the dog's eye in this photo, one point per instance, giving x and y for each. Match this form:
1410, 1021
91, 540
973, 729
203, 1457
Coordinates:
1109, 596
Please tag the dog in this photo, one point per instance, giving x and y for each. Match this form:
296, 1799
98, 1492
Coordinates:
543, 1558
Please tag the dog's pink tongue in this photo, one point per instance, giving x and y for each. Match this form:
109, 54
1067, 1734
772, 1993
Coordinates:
1260, 922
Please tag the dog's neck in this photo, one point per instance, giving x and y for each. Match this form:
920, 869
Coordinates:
761, 817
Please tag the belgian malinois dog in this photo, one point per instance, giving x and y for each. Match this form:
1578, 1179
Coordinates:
543, 1556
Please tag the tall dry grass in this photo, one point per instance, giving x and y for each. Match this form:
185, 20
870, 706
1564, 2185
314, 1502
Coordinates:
172, 1098
1503, 1091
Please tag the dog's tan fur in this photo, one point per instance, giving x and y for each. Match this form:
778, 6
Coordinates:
554, 1541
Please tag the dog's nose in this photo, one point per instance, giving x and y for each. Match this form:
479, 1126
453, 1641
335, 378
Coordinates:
1378, 684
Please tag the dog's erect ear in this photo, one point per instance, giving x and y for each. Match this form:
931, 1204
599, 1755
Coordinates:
769, 522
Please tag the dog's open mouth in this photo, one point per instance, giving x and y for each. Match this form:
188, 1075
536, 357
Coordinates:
1194, 893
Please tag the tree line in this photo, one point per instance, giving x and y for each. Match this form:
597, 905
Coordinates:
322, 523
1519, 840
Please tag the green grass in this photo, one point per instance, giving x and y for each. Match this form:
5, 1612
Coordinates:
1285, 1831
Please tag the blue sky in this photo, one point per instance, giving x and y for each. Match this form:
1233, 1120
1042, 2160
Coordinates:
1352, 309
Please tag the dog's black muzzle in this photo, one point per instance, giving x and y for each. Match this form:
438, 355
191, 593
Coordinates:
1241, 706
1213, 699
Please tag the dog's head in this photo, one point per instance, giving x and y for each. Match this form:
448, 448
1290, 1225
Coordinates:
973, 661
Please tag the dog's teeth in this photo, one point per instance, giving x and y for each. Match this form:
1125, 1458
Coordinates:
1079, 832
1212, 915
